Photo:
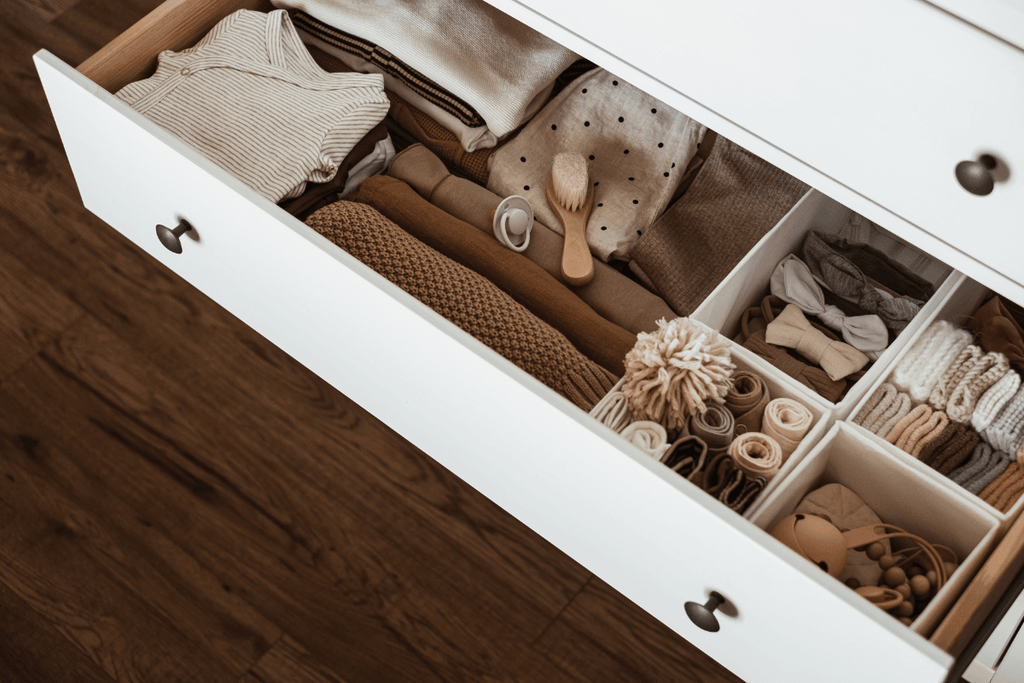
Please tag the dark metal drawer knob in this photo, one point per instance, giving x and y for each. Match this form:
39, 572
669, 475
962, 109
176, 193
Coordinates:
172, 238
976, 176
704, 615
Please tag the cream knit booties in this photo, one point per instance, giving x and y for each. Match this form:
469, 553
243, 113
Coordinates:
925, 362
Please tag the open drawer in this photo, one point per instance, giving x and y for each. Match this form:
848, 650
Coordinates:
644, 530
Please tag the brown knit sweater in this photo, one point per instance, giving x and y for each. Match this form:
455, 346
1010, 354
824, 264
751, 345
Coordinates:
462, 296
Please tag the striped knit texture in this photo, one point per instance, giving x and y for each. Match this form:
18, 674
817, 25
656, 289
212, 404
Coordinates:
952, 376
927, 359
465, 298
982, 374
900, 433
901, 406
252, 100
993, 400
1004, 431
927, 434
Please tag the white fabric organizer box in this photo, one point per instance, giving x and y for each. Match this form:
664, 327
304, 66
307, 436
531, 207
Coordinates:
502, 68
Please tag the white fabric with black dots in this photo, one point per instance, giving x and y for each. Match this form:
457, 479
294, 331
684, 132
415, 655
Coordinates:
638, 151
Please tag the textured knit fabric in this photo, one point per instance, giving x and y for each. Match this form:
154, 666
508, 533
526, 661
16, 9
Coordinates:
612, 411
982, 374
926, 438
901, 433
735, 199
611, 294
999, 330
250, 98
979, 461
747, 398
498, 66
1005, 431
792, 282
993, 400
1004, 491
901, 406
927, 359
465, 298
956, 450
997, 465
880, 407
953, 374
638, 150
526, 282
829, 258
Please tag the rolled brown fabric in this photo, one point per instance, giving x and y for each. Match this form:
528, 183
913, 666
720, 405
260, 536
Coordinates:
598, 339
716, 427
719, 473
465, 298
998, 330
756, 455
1002, 487
957, 450
687, 457
611, 294
905, 427
746, 400
787, 421
924, 434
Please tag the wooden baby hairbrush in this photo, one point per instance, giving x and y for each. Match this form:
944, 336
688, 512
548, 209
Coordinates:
571, 197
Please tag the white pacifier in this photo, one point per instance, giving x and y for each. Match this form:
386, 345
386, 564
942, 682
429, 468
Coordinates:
513, 220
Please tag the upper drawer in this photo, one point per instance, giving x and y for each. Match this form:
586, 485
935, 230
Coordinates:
883, 98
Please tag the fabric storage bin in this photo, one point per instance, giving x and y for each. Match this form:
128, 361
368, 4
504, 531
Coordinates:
956, 306
748, 283
779, 385
621, 515
900, 495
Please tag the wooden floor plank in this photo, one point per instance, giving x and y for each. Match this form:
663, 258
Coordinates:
31, 650
289, 662
603, 636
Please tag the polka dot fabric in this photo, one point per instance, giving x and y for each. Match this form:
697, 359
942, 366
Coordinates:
638, 150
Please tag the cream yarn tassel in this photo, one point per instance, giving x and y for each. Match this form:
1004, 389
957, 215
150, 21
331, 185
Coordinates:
674, 372
787, 421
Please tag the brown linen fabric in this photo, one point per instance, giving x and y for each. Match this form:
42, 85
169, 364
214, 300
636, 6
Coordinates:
466, 299
998, 330
746, 400
613, 295
734, 200
598, 339
956, 449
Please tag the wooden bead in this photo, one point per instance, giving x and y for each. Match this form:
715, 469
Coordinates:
875, 550
905, 609
904, 590
920, 585
932, 577
852, 582
886, 561
906, 621
950, 568
916, 570
894, 576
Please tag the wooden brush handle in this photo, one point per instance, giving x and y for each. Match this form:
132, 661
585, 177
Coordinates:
577, 263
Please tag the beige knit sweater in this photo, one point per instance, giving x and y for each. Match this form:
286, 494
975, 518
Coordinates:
465, 298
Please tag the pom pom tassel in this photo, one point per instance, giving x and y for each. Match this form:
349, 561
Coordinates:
674, 372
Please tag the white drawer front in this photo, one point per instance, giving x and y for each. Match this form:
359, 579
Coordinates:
883, 97
630, 520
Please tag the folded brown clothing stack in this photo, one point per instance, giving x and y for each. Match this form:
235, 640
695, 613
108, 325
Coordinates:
886, 407
936, 432
904, 434
999, 330
1004, 491
687, 457
958, 444
466, 299
526, 282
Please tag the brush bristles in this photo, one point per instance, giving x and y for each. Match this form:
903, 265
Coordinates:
569, 179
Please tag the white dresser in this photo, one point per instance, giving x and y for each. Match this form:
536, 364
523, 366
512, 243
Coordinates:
872, 103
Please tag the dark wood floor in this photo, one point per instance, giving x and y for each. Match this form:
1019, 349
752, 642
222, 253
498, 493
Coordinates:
180, 501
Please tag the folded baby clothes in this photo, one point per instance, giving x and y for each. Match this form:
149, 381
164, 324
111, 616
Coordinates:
836, 265
551, 301
997, 464
998, 330
715, 427
612, 411
735, 199
787, 421
253, 101
638, 150
980, 460
903, 430
983, 373
1004, 491
497, 65
927, 359
956, 450
931, 436
465, 298
792, 282
954, 372
1006, 431
747, 398
741, 491
611, 294
793, 331
883, 410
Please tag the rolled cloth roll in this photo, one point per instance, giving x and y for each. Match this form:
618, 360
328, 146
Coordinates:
998, 330
792, 330
792, 282
650, 437
980, 376
716, 427
612, 411
602, 341
822, 253
927, 359
787, 422
720, 472
466, 299
993, 400
611, 294
687, 457
747, 399
756, 455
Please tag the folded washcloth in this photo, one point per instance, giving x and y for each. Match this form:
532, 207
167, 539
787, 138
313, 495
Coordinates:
756, 455
787, 421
